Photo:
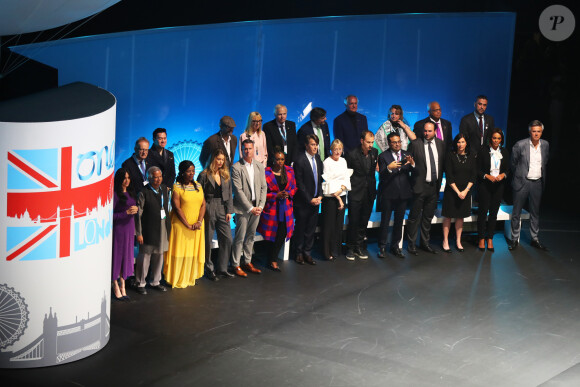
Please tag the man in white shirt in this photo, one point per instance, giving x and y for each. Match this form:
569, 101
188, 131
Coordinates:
529, 162
249, 188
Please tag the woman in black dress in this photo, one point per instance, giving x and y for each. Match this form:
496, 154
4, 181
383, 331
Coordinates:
460, 176
492, 169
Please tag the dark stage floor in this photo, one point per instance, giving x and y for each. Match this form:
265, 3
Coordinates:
460, 319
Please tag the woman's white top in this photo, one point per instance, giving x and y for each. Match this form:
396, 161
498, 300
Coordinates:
336, 174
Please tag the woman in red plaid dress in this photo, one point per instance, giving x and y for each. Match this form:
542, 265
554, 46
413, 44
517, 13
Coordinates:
277, 219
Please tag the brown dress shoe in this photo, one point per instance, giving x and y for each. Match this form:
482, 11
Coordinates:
299, 259
251, 268
239, 272
308, 259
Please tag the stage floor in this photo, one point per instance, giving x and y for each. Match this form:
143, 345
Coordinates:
460, 319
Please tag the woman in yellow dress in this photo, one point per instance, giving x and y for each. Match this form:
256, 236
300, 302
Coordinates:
185, 258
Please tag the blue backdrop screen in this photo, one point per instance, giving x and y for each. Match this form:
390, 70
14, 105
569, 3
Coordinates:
184, 79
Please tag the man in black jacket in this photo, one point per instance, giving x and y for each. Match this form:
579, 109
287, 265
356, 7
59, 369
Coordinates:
443, 129
363, 161
281, 133
163, 158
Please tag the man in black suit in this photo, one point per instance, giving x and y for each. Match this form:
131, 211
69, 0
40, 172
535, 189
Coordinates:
138, 165
318, 126
395, 166
349, 125
476, 126
281, 133
443, 129
429, 156
308, 170
363, 161
222, 139
162, 158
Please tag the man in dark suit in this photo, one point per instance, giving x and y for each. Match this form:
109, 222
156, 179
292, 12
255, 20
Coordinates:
476, 126
349, 125
137, 164
281, 133
363, 161
395, 166
443, 129
429, 156
222, 139
162, 158
529, 165
308, 170
318, 126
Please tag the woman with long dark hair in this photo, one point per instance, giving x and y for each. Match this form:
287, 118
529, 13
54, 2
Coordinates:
217, 189
184, 260
460, 176
492, 169
124, 210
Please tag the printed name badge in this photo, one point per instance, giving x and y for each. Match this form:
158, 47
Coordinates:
162, 213
145, 182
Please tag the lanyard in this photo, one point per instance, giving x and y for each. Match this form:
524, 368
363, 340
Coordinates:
157, 193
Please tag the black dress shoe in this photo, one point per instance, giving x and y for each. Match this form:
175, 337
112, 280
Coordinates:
308, 259
428, 249
211, 276
160, 288
141, 290
412, 249
226, 274
299, 259
512, 245
397, 252
382, 252
536, 243
277, 268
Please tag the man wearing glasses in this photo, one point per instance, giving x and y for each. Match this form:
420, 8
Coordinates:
137, 165
223, 139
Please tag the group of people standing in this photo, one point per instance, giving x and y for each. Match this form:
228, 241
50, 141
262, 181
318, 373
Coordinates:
283, 176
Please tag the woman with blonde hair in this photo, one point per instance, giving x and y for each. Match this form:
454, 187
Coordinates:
255, 133
217, 189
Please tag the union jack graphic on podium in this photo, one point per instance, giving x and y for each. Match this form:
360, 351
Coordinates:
42, 203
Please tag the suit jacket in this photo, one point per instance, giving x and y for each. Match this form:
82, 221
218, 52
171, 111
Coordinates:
470, 128
362, 178
307, 129
348, 133
167, 166
274, 138
242, 190
208, 184
484, 162
419, 173
212, 143
521, 162
135, 173
305, 179
395, 184
419, 127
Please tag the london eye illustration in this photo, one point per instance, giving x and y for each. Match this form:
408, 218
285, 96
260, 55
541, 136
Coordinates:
187, 150
13, 316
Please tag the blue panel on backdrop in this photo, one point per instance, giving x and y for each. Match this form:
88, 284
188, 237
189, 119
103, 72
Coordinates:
184, 79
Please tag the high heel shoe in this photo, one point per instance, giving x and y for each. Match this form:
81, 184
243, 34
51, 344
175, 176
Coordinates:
490, 243
446, 250
481, 242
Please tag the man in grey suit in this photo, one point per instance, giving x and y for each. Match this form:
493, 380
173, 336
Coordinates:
529, 165
429, 155
249, 183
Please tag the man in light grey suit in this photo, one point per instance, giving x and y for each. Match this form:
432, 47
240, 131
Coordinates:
249, 183
529, 161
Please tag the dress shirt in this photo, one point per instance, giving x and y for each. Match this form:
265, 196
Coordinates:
227, 145
495, 161
428, 162
260, 147
250, 169
535, 171
141, 164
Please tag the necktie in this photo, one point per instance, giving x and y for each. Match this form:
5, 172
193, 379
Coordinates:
439, 131
320, 142
432, 162
143, 170
481, 126
398, 156
283, 131
315, 172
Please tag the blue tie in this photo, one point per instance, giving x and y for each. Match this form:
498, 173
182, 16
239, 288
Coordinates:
315, 177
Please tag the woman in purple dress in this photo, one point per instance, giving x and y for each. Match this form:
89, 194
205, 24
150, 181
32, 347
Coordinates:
124, 210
